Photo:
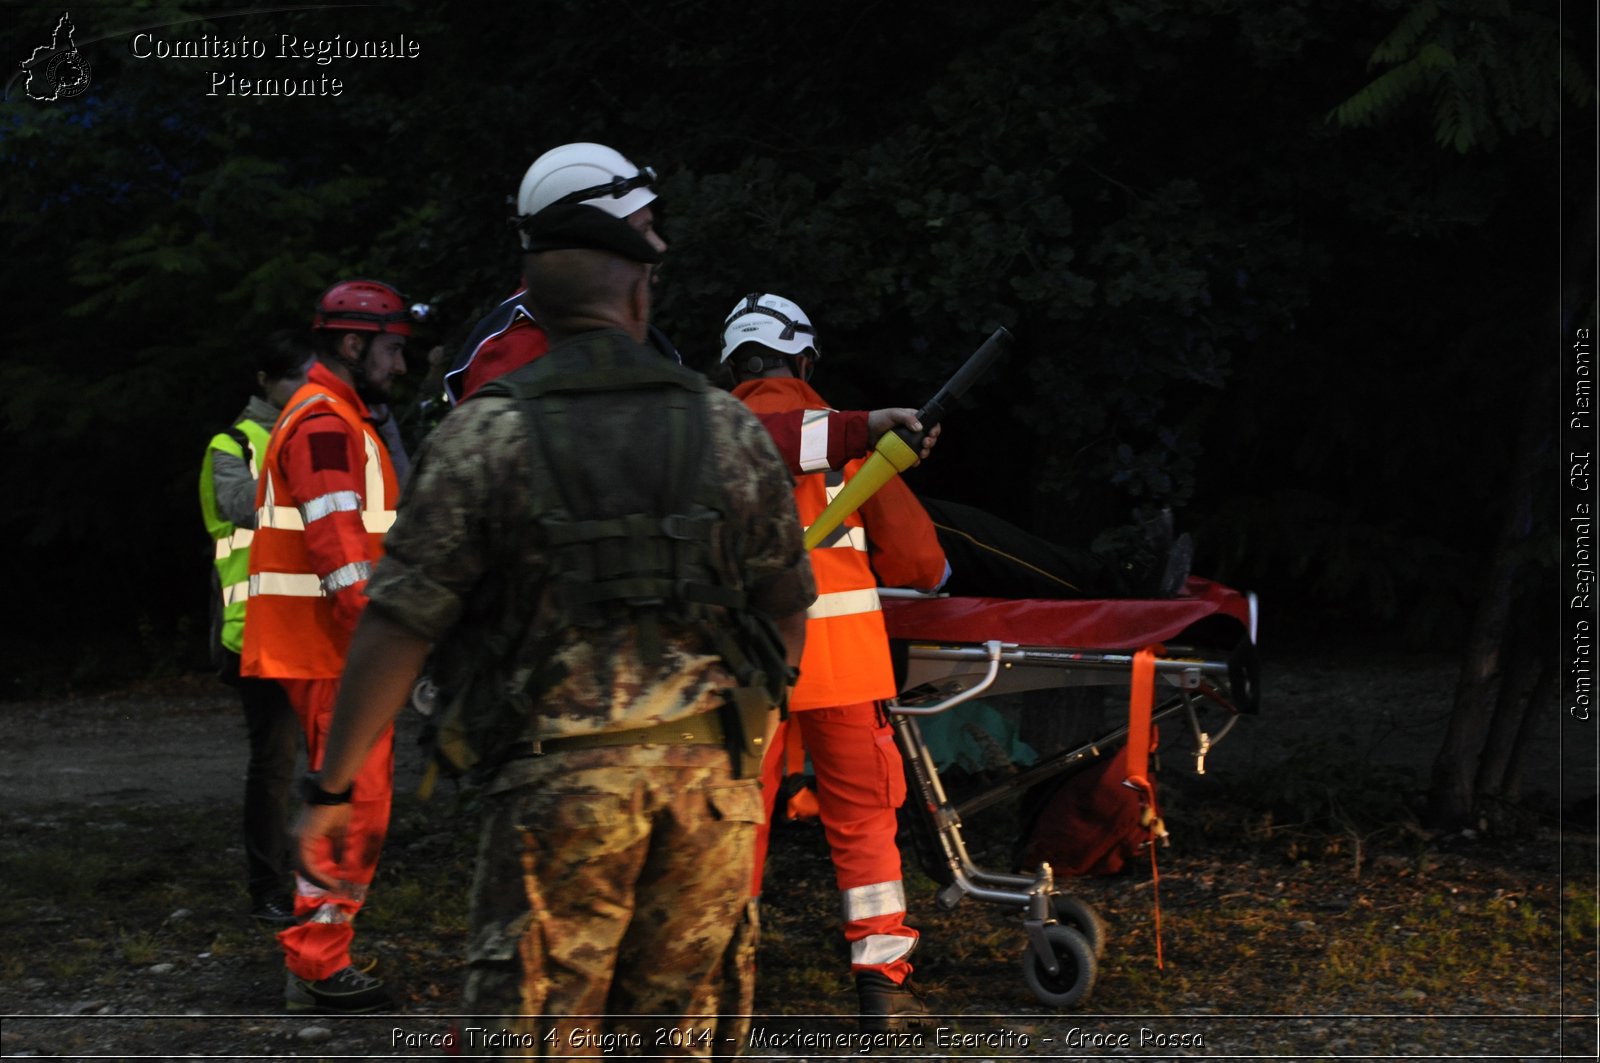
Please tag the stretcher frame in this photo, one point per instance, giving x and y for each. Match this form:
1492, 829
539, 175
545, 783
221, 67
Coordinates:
1065, 936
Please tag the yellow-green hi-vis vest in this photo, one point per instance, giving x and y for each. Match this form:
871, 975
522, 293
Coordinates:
232, 555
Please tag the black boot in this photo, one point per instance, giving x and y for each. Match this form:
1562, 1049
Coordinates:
273, 911
1175, 574
1161, 561
888, 1006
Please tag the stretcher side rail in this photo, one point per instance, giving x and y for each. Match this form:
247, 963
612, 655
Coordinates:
940, 677
1181, 666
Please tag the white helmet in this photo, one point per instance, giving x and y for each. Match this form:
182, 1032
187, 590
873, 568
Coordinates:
772, 321
585, 173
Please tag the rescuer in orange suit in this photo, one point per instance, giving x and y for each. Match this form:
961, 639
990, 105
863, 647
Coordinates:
326, 496
769, 347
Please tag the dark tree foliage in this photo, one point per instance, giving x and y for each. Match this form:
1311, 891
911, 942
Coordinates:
1299, 336
1486, 67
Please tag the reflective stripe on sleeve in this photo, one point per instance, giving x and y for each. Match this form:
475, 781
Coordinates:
306, 584
843, 603
287, 518
235, 592
328, 504
813, 440
867, 902
347, 576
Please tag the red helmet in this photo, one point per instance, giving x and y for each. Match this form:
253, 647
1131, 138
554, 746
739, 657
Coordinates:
363, 306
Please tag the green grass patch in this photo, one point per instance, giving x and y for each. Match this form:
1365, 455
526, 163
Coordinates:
64, 873
1580, 916
1443, 943
139, 948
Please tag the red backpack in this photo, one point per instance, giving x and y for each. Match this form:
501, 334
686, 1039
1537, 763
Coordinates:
1100, 818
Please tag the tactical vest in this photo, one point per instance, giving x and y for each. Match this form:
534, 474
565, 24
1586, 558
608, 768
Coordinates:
639, 538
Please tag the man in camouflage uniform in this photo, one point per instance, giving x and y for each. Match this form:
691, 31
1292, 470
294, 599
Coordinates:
617, 835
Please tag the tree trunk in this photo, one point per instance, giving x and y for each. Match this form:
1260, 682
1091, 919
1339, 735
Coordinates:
1452, 793
1452, 796
1542, 698
1523, 672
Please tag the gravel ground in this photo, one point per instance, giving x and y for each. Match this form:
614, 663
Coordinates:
184, 741
116, 757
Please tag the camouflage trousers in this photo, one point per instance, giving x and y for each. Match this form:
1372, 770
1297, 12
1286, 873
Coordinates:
609, 886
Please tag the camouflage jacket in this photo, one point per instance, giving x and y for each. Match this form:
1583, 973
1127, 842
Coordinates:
462, 561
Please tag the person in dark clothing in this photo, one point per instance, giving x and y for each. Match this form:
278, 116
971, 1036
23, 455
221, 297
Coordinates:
228, 505
993, 558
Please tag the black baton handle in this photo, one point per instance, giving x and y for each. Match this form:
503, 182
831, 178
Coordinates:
974, 367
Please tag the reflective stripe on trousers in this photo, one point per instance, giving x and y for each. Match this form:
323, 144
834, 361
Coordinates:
877, 912
881, 950
880, 898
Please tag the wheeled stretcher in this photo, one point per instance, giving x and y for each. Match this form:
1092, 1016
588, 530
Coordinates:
950, 650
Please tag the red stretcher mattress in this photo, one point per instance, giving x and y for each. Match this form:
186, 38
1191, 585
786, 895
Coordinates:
1097, 624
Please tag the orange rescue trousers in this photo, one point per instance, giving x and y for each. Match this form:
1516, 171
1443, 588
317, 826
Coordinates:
318, 944
860, 783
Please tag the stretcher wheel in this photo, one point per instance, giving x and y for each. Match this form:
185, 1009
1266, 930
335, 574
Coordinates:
1075, 958
1071, 912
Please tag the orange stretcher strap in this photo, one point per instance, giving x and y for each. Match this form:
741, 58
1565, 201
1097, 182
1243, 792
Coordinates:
1141, 703
1136, 763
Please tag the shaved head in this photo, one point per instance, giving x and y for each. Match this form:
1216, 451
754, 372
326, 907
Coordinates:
576, 289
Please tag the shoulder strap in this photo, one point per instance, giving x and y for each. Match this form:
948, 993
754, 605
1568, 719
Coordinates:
228, 439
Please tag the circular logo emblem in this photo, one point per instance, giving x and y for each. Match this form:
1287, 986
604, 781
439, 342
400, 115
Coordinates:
68, 74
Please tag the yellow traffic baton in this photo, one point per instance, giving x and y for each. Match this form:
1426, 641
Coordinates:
897, 450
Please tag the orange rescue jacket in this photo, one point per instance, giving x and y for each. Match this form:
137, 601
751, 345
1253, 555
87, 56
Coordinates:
889, 540
326, 497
